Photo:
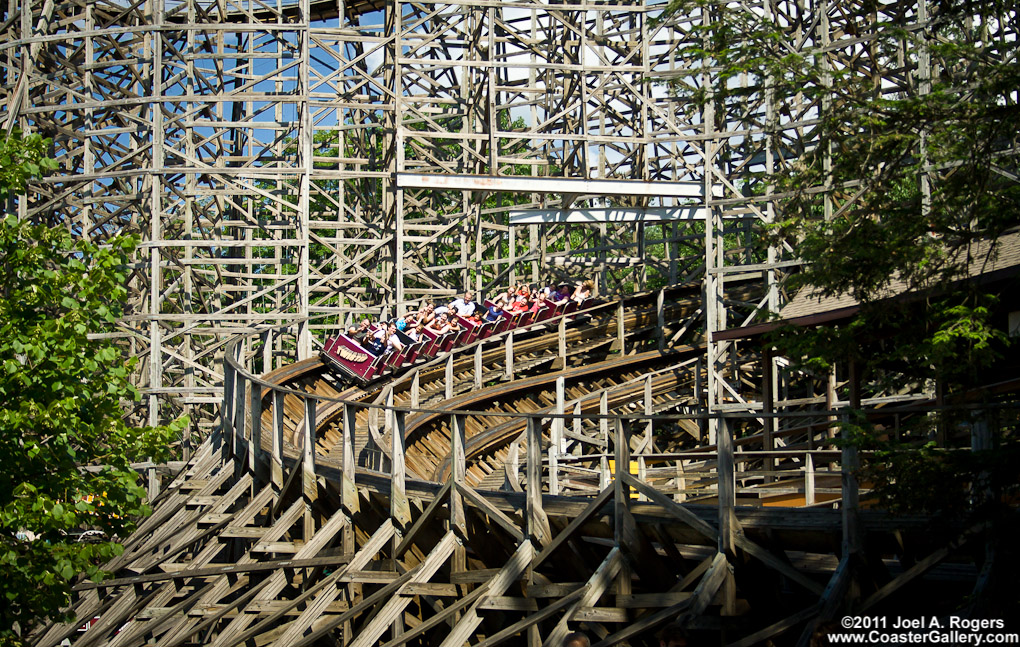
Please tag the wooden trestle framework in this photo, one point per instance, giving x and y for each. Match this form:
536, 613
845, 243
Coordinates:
541, 481
290, 164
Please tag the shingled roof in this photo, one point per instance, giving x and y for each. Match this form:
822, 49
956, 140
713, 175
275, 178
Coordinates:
809, 308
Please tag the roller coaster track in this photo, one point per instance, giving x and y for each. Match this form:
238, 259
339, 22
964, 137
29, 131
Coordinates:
489, 497
591, 335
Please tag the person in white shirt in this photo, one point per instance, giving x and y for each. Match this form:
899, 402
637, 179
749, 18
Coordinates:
465, 305
393, 343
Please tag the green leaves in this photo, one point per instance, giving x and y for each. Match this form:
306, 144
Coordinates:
22, 158
60, 408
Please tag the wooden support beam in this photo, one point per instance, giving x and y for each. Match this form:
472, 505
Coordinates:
532, 620
621, 495
556, 437
538, 523
420, 523
510, 573
348, 466
325, 591
597, 584
276, 476
309, 484
596, 504
370, 634
509, 359
491, 511
400, 507
259, 468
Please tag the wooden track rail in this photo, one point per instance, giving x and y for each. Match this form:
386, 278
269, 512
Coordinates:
577, 497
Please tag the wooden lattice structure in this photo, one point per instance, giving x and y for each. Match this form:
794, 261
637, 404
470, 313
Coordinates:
291, 164
300, 158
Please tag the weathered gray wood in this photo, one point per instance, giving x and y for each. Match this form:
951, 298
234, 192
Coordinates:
538, 522
348, 484
727, 487
621, 494
597, 584
397, 603
278, 440
459, 471
448, 379
425, 517
309, 484
596, 504
556, 438
400, 507
533, 619
492, 511
496, 586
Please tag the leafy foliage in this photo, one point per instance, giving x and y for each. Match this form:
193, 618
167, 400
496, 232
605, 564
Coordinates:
65, 449
905, 182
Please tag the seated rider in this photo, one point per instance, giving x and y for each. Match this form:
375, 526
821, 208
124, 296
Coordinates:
424, 313
519, 305
417, 332
375, 343
357, 333
504, 298
561, 295
582, 291
393, 343
465, 305
441, 325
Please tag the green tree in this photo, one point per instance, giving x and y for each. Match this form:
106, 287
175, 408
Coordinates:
908, 171
65, 449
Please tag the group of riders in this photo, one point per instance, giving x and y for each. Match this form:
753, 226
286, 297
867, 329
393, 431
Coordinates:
440, 320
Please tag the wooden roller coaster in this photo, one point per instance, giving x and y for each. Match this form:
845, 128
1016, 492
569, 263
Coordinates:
510, 491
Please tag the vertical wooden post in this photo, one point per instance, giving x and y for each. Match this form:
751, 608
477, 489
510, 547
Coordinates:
538, 523
509, 356
681, 481
621, 449
348, 475
699, 393
448, 377
727, 512
603, 420
400, 509
258, 466
648, 404
727, 488
267, 350
348, 466
561, 341
556, 437
830, 404
276, 469
619, 343
809, 478
578, 428
458, 472
224, 438
660, 317
309, 487
768, 408
416, 389
478, 366
240, 413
